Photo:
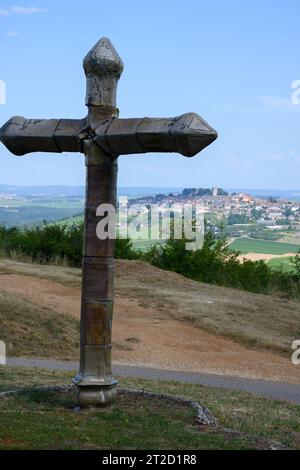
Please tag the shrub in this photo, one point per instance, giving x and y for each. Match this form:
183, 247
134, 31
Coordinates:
216, 263
296, 265
53, 243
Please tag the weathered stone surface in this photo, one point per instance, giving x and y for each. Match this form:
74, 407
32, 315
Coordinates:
187, 134
103, 68
22, 136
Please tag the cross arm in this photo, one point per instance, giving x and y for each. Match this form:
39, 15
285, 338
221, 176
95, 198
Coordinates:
21, 135
187, 134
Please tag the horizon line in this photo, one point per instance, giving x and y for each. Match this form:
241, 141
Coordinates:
151, 187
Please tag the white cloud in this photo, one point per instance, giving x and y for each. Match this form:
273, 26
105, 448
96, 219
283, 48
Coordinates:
275, 157
277, 103
289, 157
262, 104
21, 10
12, 34
26, 10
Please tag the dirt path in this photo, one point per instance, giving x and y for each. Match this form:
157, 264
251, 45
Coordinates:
149, 337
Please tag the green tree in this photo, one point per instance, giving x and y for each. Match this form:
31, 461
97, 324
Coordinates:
296, 265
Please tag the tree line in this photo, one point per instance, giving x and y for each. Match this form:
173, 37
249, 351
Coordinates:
214, 263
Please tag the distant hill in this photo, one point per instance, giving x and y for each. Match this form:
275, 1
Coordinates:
64, 190
69, 191
27, 191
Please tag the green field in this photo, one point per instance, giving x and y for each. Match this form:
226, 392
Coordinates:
252, 245
283, 264
72, 220
23, 212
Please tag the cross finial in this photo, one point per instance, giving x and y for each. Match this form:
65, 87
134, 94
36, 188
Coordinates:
103, 68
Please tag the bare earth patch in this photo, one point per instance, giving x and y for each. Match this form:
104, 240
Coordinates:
166, 321
263, 256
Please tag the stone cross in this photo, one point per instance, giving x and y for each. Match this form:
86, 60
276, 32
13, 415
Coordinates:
102, 137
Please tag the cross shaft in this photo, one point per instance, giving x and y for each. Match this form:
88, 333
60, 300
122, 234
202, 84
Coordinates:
102, 137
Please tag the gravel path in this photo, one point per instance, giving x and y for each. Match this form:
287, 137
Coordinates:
265, 388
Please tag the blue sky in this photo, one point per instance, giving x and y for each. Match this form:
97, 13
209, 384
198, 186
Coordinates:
232, 62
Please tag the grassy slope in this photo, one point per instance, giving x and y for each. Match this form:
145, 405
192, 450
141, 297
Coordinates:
251, 245
35, 331
252, 319
43, 420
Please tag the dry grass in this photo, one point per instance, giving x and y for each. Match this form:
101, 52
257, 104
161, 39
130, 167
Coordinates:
64, 275
13, 378
34, 331
253, 319
251, 419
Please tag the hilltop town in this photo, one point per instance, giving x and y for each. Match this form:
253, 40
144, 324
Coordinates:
238, 214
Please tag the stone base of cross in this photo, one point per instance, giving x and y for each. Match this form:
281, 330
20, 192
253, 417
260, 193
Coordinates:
102, 137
